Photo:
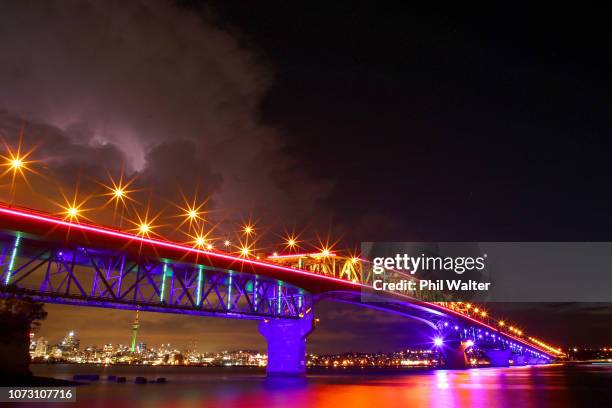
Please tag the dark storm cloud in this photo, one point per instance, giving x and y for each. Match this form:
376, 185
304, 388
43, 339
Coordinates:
162, 92
153, 86
62, 161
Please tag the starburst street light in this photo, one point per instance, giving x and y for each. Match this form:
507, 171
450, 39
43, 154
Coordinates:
245, 249
119, 193
190, 211
326, 248
119, 190
145, 224
17, 162
191, 214
200, 241
248, 229
292, 241
72, 212
144, 228
73, 209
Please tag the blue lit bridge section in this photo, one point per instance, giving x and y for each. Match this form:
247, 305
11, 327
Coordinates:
78, 275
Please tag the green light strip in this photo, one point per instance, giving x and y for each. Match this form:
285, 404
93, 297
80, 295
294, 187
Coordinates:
12, 261
229, 292
280, 300
199, 293
300, 296
163, 286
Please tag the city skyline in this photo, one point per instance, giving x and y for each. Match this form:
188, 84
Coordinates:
244, 333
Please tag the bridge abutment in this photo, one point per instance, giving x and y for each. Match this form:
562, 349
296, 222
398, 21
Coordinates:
286, 344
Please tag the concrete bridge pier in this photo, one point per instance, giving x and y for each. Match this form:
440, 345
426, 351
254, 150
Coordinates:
286, 344
499, 358
453, 353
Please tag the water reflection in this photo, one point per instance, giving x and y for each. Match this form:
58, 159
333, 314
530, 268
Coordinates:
541, 386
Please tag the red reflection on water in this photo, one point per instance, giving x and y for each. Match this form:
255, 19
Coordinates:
516, 387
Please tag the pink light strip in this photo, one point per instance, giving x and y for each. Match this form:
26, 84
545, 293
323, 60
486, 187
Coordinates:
313, 254
165, 244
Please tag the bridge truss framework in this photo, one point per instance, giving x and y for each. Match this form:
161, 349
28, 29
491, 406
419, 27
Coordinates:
86, 276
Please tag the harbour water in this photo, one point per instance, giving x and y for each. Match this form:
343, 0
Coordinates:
576, 385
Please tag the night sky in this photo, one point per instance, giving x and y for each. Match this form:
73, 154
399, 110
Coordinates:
359, 122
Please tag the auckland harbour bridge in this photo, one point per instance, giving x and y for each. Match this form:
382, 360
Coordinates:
54, 260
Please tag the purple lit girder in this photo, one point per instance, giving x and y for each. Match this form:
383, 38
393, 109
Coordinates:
89, 277
452, 329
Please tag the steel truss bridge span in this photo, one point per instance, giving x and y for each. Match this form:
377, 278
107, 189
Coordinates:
56, 261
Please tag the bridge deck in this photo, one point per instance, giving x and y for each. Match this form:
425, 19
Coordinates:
55, 232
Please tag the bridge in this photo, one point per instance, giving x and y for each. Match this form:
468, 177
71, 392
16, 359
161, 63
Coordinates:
54, 260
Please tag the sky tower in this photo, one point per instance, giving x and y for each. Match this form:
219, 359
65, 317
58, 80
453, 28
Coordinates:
134, 333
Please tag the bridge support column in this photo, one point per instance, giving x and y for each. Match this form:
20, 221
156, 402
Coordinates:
454, 355
499, 358
286, 344
519, 360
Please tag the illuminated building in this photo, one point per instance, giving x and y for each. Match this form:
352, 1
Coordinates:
70, 344
134, 333
41, 347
